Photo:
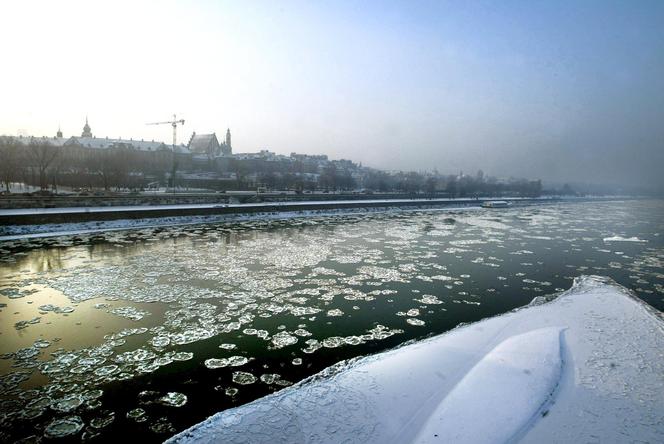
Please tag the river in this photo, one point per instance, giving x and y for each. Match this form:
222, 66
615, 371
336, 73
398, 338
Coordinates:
143, 333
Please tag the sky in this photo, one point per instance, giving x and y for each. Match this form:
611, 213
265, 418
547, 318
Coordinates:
563, 91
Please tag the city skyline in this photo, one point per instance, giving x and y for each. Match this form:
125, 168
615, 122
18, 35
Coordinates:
559, 91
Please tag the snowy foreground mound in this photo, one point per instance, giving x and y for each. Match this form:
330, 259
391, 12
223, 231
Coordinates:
586, 367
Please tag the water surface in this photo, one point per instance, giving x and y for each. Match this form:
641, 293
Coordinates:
143, 333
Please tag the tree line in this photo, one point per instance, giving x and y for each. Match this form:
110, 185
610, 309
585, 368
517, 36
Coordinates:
39, 163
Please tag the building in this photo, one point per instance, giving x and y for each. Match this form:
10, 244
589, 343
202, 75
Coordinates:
227, 148
208, 145
98, 143
24, 141
87, 131
204, 144
88, 142
87, 146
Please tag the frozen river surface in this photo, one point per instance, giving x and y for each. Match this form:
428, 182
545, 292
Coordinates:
144, 333
585, 367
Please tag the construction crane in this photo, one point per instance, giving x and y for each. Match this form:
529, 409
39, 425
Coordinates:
174, 123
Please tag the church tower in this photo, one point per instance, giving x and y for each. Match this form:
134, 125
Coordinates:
228, 139
59, 133
87, 131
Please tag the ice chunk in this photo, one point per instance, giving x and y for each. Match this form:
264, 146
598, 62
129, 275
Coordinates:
68, 403
183, 356
243, 378
623, 239
283, 339
63, 427
137, 414
214, 363
173, 399
102, 421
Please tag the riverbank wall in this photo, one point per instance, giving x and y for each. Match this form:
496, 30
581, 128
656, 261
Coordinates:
35, 216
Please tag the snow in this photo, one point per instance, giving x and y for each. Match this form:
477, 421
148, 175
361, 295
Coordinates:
513, 381
586, 367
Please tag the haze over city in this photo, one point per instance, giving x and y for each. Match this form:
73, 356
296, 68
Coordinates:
262, 221
563, 91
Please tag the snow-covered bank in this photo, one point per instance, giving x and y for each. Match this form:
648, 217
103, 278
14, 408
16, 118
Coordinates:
586, 367
16, 232
305, 204
27, 223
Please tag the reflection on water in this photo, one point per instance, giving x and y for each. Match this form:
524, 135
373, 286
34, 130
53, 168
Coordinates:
147, 332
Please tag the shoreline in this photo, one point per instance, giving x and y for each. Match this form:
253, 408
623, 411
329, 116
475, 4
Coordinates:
30, 216
39, 231
31, 223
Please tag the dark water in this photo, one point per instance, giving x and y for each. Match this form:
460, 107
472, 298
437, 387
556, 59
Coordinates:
143, 333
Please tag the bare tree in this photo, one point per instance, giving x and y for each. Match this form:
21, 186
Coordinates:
430, 185
100, 163
9, 162
120, 163
240, 170
61, 163
112, 165
42, 154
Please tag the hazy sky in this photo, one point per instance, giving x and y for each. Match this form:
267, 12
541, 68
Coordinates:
551, 89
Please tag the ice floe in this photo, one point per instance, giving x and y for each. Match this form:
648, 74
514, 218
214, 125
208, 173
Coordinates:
623, 239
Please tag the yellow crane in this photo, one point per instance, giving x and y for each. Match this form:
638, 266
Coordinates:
174, 123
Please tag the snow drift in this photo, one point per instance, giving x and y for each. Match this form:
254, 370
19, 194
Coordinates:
587, 366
